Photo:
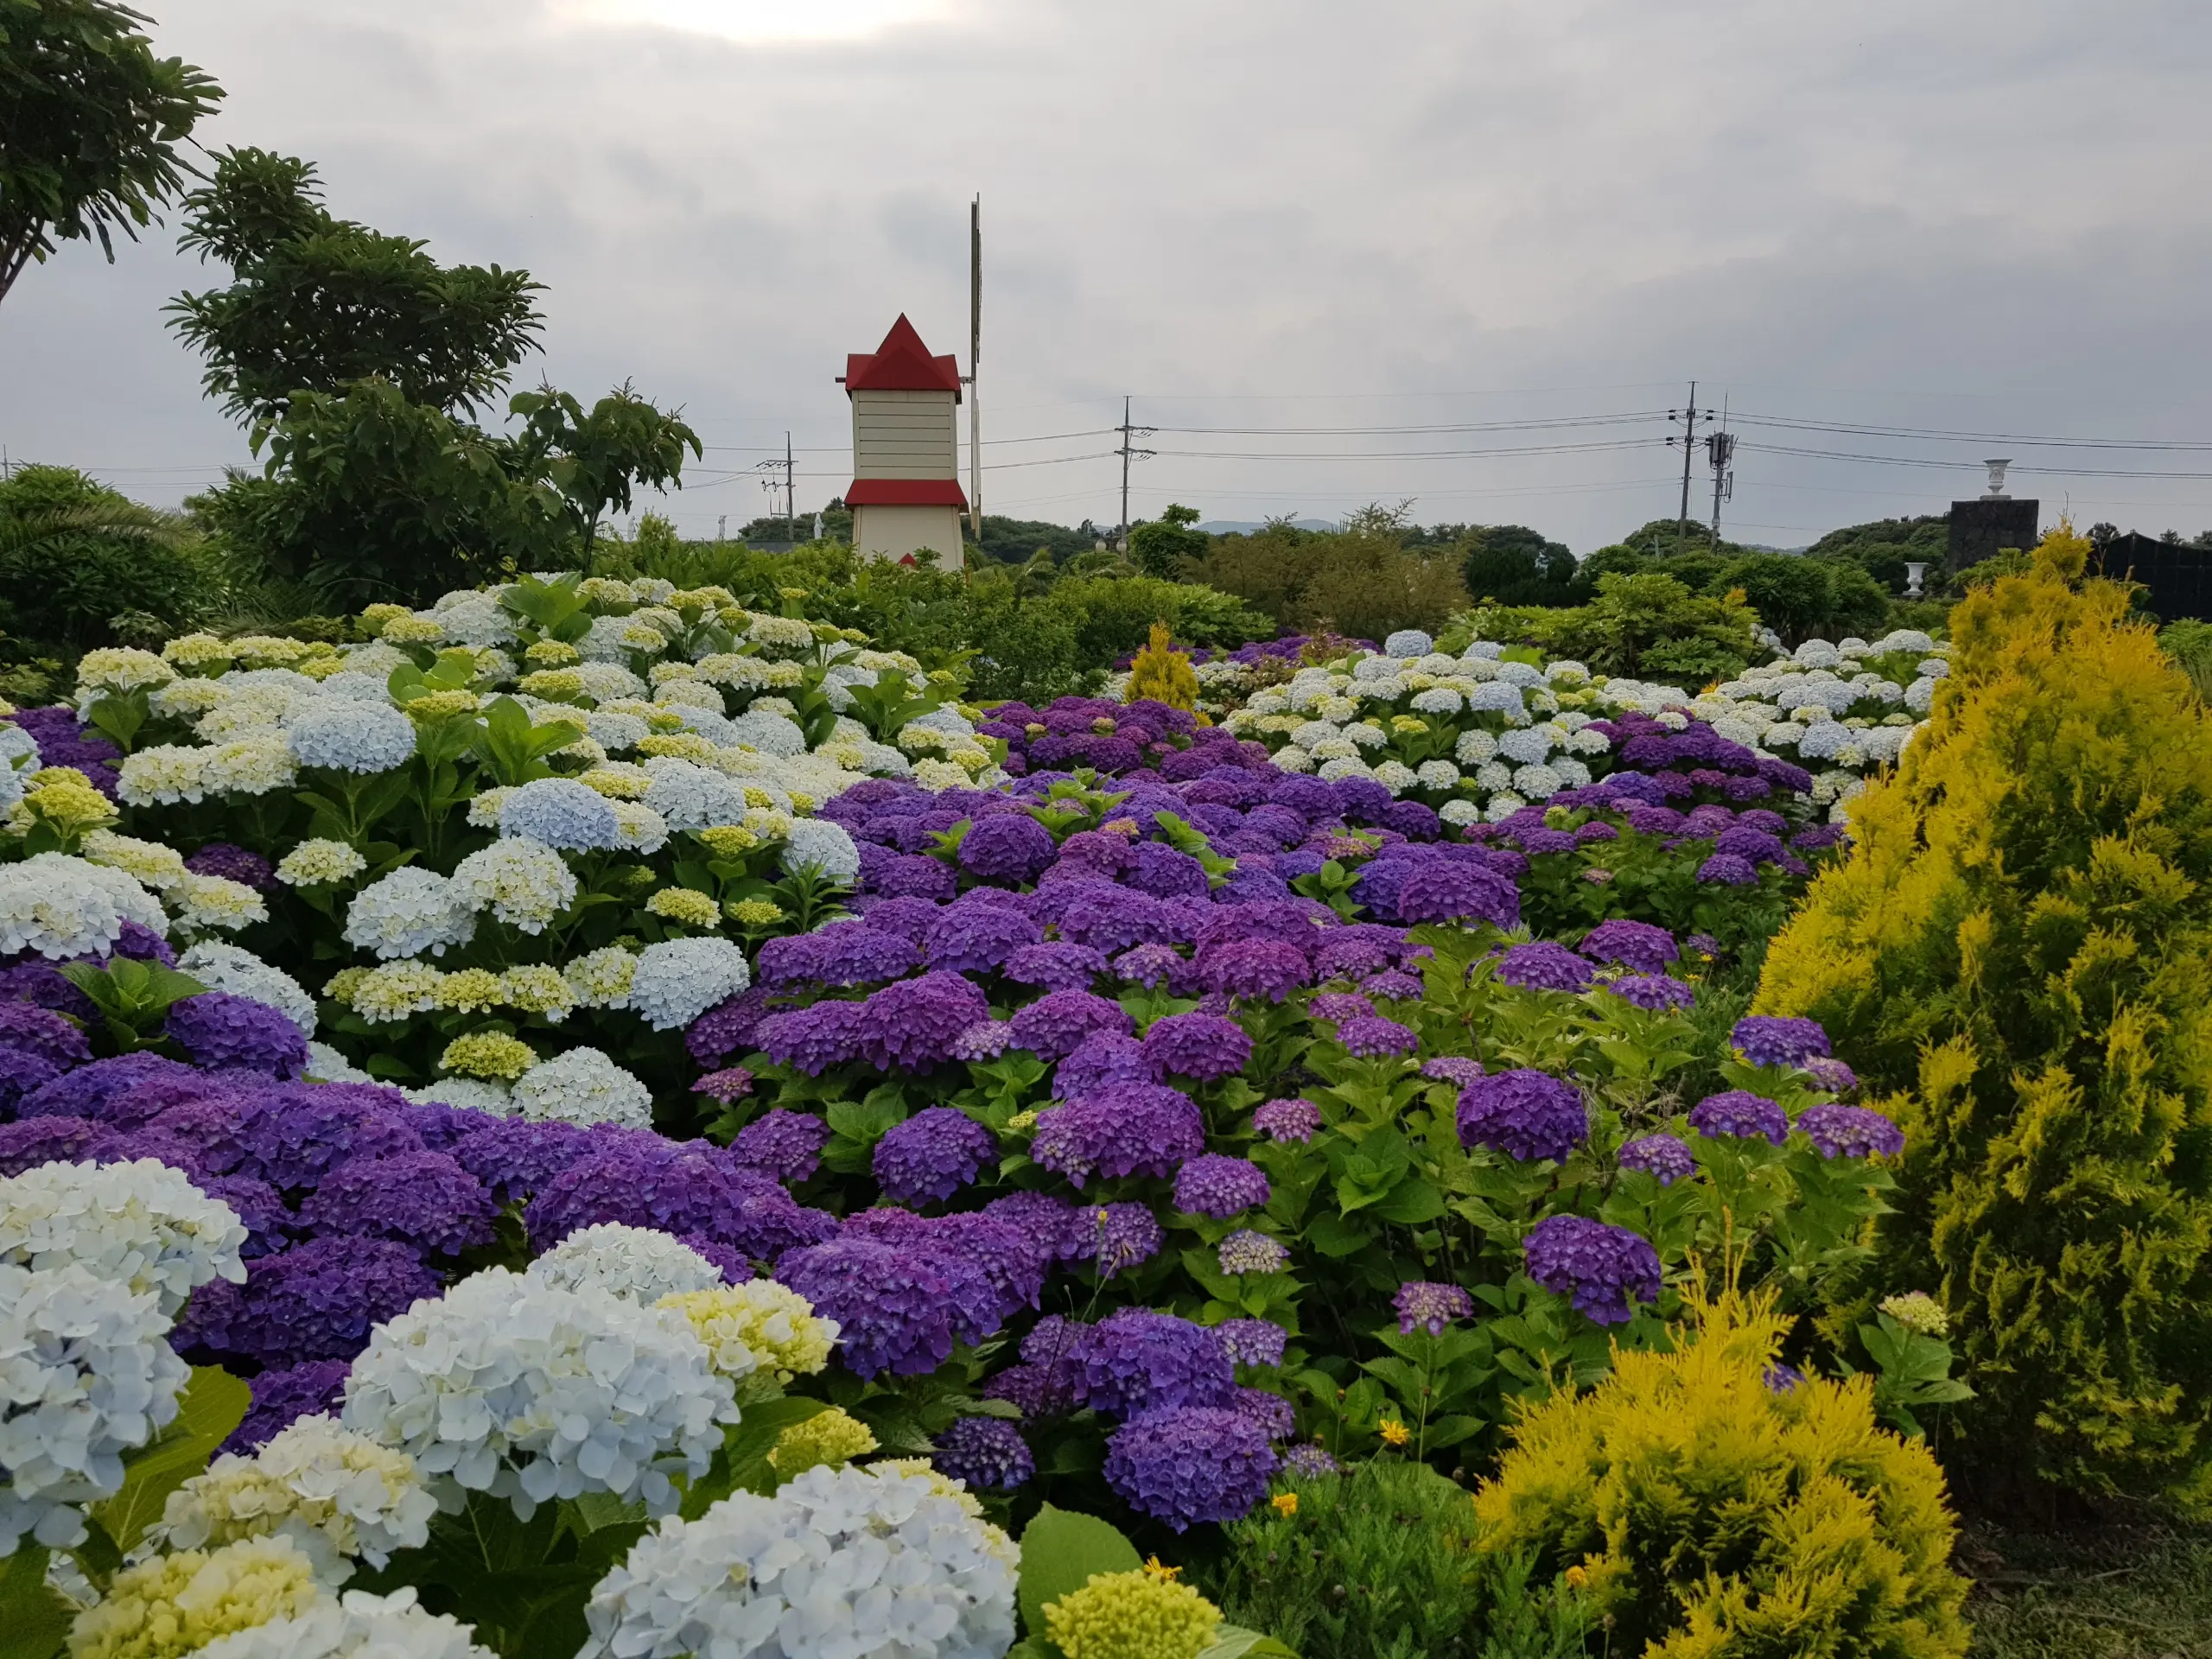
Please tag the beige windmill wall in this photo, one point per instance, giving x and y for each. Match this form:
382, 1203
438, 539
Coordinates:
904, 435
894, 532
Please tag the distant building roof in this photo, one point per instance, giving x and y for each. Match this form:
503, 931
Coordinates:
902, 363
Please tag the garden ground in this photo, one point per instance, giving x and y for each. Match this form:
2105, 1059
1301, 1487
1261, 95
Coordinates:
2104, 1593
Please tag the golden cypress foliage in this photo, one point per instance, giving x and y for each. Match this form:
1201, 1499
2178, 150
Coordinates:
1163, 673
1705, 1513
2019, 948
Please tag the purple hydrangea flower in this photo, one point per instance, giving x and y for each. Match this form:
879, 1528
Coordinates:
1270, 1411
728, 1027
1287, 1120
675, 1187
973, 938
735, 1270
1728, 870
1059, 966
1130, 1128
1119, 1236
1135, 1361
1192, 1466
1765, 1040
1453, 1068
1780, 1378
1340, 1005
86, 1091
30, 1142
893, 1305
292, 1136
731, 1083
911, 1025
1637, 946
1604, 1270
1422, 1305
1057, 1023
1254, 969
931, 1155
233, 864
280, 1398
218, 1029
1850, 1132
1525, 1114
1832, 1074
44, 1032
1006, 847
1056, 1228
513, 1158
1349, 953
1199, 1045
1214, 1183
984, 1041
1394, 984
988, 1453
421, 1199
1252, 1342
23, 1071
1458, 890
994, 1266
1543, 966
812, 1039
852, 954
1108, 1058
1740, 1113
1654, 992
1159, 965
316, 1301
1310, 1462
1376, 1038
1664, 1155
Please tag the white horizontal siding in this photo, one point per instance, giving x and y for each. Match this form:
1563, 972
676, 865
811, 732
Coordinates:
904, 435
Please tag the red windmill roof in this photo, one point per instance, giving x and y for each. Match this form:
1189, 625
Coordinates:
902, 363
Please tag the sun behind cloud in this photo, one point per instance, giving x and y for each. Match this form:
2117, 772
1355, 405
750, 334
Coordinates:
761, 20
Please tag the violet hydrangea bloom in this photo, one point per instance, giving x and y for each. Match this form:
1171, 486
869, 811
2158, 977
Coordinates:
1109, 1058
1664, 1155
233, 864
218, 1029
988, 1453
1252, 1342
513, 1157
1394, 984
1637, 946
931, 1155
1422, 1305
1739, 1113
1604, 1271
911, 1024
23, 1071
786, 1146
675, 1187
1376, 1038
1728, 870
974, 938
1189, 1467
1120, 1236
280, 1398
1287, 1120
1270, 1411
1832, 1074
1543, 966
293, 1136
1057, 966
731, 1083
1135, 1360
1453, 1068
1200, 1046
1130, 1128
316, 1301
893, 1305
1654, 992
984, 1041
53, 1139
1006, 847
730, 1025
1523, 1113
44, 1032
1157, 965
423, 1199
812, 1039
1850, 1132
1057, 1023
1310, 1462
1334, 1006
1216, 1185
1458, 890
1256, 969
1764, 1039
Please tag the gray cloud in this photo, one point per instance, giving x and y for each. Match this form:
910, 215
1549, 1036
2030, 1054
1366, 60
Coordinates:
1967, 217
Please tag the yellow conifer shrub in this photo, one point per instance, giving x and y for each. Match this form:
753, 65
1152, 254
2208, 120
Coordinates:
1162, 673
1705, 1513
2018, 950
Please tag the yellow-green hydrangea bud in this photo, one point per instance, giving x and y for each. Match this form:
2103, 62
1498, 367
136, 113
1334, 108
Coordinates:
70, 805
442, 705
617, 781
412, 630
776, 1326
149, 861
176, 1604
197, 651
395, 990
1132, 1616
375, 617
537, 987
344, 982
756, 912
834, 1437
683, 745
686, 905
1917, 1311
552, 653
488, 1054
469, 990
320, 863
727, 840
601, 978
554, 684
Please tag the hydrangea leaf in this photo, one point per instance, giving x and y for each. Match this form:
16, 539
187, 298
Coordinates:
1061, 1551
213, 1404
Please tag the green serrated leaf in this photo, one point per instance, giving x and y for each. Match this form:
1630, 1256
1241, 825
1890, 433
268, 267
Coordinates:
1234, 1642
34, 1618
1062, 1551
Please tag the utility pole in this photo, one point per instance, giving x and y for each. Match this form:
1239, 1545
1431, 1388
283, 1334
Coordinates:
1689, 416
791, 497
975, 371
721, 527
1720, 451
1128, 454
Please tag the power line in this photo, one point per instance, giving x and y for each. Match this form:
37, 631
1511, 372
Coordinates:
1929, 432
1955, 466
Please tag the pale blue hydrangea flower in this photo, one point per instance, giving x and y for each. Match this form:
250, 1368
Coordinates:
1408, 642
349, 736
1519, 674
561, 813
1437, 700
1499, 696
771, 734
679, 980
690, 796
409, 911
1529, 747
825, 847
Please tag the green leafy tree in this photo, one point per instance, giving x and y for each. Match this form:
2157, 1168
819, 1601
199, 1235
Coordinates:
1652, 626
1160, 547
592, 461
1512, 564
76, 559
318, 303
89, 123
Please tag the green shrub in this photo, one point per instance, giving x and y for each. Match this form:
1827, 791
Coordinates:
74, 555
1709, 1514
1360, 581
2188, 642
1379, 1563
2020, 945
1646, 626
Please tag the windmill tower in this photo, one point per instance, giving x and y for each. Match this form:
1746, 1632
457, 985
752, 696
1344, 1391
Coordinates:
905, 494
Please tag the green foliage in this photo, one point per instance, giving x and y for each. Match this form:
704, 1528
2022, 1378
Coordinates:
1162, 547
1883, 547
1060, 1552
1361, 581
1799, 597
1643, 625
1511, 564
91, 120
2189, 643
2020, 945
1707, 1513
1380, 1563
591, 462
75, 557
34, 1616
317, 302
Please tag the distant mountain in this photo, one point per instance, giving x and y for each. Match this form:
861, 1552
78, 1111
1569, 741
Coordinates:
1246, 526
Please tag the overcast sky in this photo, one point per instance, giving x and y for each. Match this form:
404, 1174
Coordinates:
1959, 217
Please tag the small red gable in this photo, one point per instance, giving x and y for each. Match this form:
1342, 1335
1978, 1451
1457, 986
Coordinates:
902, 363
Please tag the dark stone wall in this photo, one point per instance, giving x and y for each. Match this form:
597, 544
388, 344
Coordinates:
1982, 528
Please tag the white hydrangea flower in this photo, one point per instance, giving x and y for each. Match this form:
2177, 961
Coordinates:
145, 861
582, 1086
409, 911
783, 1576
395, 990
1290, 758
1572, 773
141, 1225
1332, 771
358, 1625
636, 1264
677, 980
772, 733
1437, 775
823, 846
522, 882
350, 736
464, 1094
215, 903
1919, 696
601, 978
1364, 736
320, 863
1538, 783
230, 968
1459, 813
327, 1064
1492, 775
687, 796
60, 906
119, 668
1395, 776
1530, 746
1475, 746
531, 1392
336, 1494
1502, 805
1437, 700
89, 1376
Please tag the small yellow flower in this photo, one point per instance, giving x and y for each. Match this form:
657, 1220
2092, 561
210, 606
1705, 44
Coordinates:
1160, 1572
1021, 1122
1395, 1433
1285, 1504
1578, 1575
